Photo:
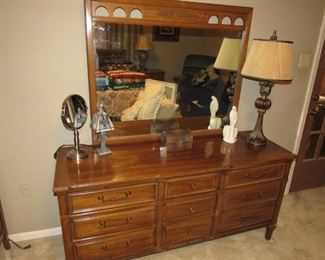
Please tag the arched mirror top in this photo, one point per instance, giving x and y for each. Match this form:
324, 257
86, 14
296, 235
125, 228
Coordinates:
228, 20
172, 13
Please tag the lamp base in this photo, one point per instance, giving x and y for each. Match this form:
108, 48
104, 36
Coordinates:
143, 57
262, 104
257, 138
103, 150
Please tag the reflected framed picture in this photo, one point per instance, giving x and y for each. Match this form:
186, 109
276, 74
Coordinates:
166, 33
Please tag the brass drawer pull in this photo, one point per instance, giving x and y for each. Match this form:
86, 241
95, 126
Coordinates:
256, 196
102, 199
107, 249
253, 177
248, 218
105, 224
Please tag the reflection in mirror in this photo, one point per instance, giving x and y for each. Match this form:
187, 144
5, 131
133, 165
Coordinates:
183, 58
228, 60
74, 116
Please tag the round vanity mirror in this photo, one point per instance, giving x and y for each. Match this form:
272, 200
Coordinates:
74, 112
74, 116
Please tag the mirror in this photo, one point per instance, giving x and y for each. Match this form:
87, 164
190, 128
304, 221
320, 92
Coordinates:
74, 112
184, 65
74, 116
178, 48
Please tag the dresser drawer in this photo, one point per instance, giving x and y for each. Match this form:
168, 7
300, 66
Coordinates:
251, 195
112, 221
129, 244
190, 209
83, 202
187, 233
186, 186
246, 217
253, 175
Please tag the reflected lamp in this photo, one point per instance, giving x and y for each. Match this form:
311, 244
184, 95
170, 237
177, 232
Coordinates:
269, 62
143, 45
228, 59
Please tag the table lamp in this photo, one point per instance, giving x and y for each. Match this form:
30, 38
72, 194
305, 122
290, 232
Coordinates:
228, 59
143, 45
101, 123
269, 62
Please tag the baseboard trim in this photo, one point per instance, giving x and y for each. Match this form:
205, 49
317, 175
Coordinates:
36, 234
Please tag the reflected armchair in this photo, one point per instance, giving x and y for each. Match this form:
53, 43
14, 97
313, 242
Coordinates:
193, 63
191, 88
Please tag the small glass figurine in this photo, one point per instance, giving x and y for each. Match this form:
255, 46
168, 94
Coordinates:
101, 123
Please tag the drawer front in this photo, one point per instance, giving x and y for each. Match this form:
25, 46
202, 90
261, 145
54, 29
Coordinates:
110, 222
187, 233
130, 244
180, 187
203, 206
83, 202
251, 195
246, 217
253, 175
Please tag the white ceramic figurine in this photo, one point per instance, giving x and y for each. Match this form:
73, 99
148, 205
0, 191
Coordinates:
230, 131
215, 122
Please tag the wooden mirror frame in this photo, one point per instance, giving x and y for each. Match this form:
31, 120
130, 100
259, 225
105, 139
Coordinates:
164, 13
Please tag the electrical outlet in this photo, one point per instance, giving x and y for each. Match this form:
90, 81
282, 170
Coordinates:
26, 190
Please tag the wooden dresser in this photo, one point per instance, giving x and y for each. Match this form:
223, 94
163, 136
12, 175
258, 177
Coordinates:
140, 200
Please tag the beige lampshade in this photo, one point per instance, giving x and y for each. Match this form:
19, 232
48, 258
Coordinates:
143, 43
269, 60
228, 56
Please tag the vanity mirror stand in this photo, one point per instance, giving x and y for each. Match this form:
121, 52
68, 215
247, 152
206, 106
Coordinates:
141, 199
74, 116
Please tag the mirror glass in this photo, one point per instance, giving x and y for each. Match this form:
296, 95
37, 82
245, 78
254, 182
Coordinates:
183, 58
74, 112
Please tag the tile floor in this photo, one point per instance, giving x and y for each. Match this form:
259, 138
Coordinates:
300, 235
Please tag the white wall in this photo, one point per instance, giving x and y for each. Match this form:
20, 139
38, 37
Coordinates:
43, 59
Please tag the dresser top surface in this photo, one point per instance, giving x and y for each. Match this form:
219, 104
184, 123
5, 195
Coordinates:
138, 163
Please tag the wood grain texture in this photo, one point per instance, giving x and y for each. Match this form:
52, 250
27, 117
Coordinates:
112, 221
247, 216
117, 246
138, 201
136, 163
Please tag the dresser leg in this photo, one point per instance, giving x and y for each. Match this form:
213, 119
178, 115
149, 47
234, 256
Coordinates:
269, 231
6, 243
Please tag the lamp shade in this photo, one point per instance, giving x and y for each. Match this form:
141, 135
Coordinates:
143, 43
269, 60
228, 56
